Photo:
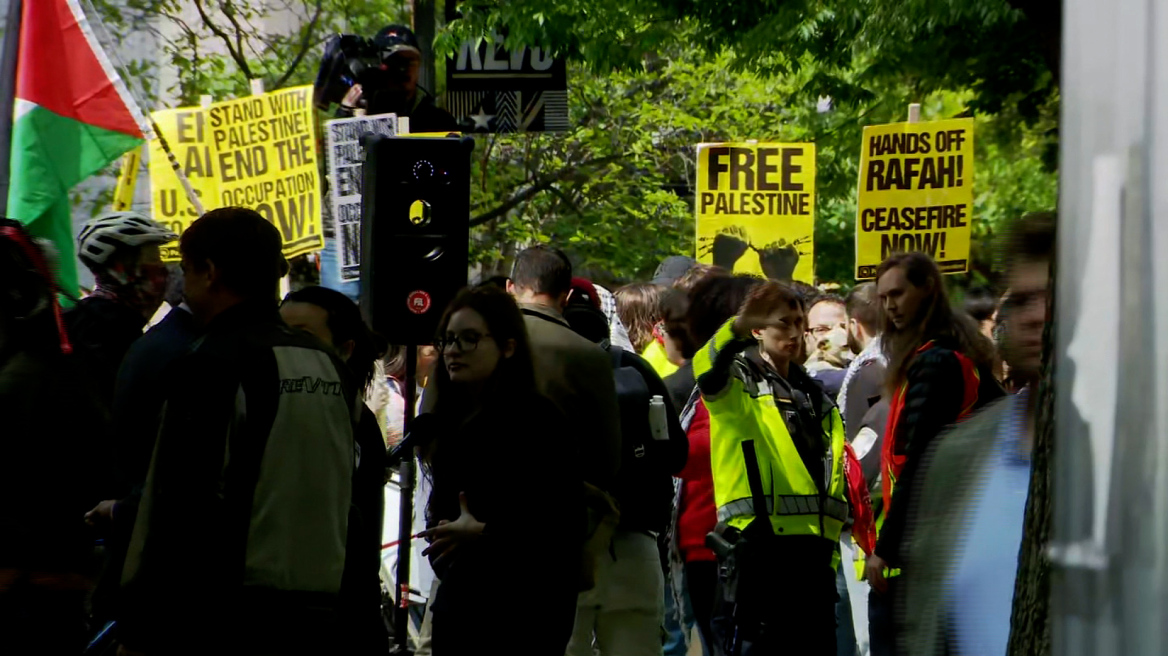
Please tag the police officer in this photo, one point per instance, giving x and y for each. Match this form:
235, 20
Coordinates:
777, 451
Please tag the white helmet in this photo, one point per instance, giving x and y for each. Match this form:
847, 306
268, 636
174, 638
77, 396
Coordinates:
102, 236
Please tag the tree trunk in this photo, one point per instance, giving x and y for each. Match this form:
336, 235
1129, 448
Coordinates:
1030, 629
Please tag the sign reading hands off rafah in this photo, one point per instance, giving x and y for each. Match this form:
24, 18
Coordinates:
257, 152
755, 208
916, 194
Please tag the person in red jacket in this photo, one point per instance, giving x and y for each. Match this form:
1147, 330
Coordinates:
696, 517
712, 302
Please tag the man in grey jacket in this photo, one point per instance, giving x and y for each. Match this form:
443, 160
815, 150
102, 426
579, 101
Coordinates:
570, 370
623, 613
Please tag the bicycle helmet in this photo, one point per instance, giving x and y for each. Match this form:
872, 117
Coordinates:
101, 237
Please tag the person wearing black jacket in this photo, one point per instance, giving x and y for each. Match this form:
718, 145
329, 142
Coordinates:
139, 394
940, 368
240, 540
122, 251
506, 510
50, 457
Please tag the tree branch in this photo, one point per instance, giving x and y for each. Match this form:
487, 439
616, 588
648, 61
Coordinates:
305, 44
555, 190
540, 185
487, 158
236, 55
228, 10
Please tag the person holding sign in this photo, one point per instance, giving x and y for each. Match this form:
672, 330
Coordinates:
940, 369
755, 207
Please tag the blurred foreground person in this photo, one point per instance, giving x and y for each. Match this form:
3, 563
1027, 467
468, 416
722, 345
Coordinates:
240, 540
939, 371
47, 465
507, 499
777, 449
335, 320
967, 532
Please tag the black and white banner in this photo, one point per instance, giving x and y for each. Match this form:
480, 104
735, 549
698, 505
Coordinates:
346, 159
489, 89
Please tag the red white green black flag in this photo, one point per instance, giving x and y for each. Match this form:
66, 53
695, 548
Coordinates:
72, 117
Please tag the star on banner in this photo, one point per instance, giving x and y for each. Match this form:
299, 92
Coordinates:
482, 119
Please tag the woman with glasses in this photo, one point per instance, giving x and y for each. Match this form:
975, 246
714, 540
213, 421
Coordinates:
506, 508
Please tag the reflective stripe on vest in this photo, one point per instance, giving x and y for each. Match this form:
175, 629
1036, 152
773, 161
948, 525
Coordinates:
788, 505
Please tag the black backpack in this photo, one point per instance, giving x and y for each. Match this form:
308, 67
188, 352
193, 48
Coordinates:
644, 484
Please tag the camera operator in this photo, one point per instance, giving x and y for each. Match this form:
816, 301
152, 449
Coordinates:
397, 90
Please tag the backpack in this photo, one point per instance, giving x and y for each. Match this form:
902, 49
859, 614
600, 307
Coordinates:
644, 485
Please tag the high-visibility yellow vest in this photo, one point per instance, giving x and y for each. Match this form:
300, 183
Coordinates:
655, 355
747, 410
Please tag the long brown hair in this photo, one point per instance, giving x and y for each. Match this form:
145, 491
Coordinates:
935, 319
639, 307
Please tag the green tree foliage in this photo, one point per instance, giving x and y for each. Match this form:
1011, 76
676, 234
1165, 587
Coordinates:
616, 190
1005, 51
646, 86
992, 59
216, 47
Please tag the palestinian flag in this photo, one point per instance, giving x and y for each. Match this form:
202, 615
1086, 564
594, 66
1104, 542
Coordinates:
72, 117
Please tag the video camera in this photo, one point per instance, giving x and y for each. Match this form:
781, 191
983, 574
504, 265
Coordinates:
374, 63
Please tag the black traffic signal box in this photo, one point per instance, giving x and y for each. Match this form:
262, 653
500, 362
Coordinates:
415, 234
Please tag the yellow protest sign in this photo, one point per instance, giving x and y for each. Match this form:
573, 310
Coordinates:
127, 181
257, 152
916, 194
755, 208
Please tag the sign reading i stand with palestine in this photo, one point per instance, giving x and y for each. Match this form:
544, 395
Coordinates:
257, 152
491, 89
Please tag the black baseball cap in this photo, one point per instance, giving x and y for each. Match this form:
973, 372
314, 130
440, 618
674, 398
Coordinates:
396, 39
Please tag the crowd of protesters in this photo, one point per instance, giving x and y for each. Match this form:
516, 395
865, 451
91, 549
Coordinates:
707, 461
